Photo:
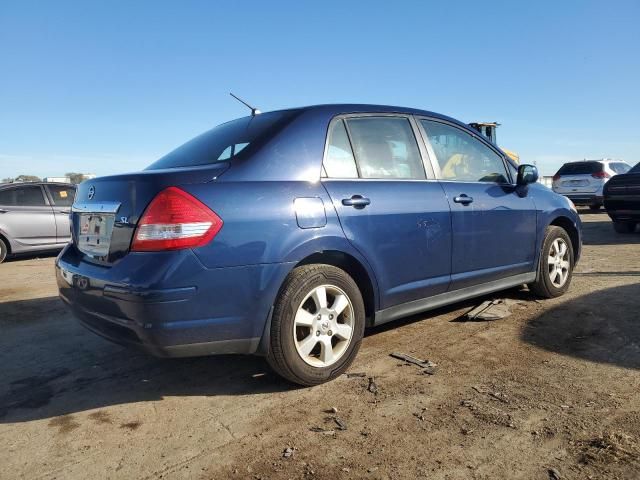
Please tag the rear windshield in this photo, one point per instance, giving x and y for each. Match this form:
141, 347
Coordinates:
619, 167
580, 168
226, 142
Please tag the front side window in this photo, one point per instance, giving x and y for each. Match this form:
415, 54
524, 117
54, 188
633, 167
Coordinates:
462, 157
27, 196
62, 196
619, 167
385, 148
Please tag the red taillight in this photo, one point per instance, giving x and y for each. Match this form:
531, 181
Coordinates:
556, 177
602, 174
174, 220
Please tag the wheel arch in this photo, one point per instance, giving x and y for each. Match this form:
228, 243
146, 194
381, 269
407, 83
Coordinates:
6, 242
355, 269
570, 227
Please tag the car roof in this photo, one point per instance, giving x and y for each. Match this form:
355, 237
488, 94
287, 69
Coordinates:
600, 160
333, 109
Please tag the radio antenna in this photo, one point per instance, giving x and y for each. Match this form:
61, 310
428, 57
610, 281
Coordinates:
254, 111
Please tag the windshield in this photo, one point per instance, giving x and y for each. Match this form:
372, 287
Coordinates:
226, 142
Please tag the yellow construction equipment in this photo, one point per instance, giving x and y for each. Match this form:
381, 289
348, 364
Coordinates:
488, 129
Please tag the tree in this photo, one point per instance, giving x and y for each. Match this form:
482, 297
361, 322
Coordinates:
27, 178
75, 178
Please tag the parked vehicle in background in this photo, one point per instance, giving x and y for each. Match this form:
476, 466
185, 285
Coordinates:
582, 182
622, 200
287, 233
34, 217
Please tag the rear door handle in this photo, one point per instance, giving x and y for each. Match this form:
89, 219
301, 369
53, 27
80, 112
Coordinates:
65, 212
356, 201
464, 199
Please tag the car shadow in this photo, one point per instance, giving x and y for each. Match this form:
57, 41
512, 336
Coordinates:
14, 257
52, 366
601, 326
519, 294
588, 211
602, 233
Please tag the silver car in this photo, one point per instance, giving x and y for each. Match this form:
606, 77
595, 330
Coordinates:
582, 182
34, 217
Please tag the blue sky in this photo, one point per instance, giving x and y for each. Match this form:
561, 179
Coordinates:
108, 87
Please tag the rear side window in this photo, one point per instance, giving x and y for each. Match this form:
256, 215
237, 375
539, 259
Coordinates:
580, 168
385, 147
62, 196
227, 142
339, 161
27, 196
462, 157
619, 167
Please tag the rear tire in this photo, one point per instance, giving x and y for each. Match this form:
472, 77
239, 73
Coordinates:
595, 207
624, 227
317, 325
555, 267
3, 251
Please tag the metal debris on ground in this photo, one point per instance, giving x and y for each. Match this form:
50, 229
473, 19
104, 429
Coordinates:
502, 397
340, 423
288, 452
356, 374
491, 310
324, 431
429, 366
554, 474
331, 410
372, 387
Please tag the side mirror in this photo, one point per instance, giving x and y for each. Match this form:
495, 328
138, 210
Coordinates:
527, 174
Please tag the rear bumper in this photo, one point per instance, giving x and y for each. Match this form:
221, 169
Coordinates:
168, 304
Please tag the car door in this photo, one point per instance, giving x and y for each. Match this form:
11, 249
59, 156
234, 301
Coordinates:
26, 218
493, 224
61, 198
395, 215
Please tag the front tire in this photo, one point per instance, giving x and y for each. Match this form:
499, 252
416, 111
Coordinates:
3, 251
555, 268
624, 227
317, 325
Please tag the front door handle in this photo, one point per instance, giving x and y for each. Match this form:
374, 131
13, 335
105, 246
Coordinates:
356, 201
65, 212
464, 199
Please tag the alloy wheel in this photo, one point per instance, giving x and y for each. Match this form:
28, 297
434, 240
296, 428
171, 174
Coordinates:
558, 262
323, 326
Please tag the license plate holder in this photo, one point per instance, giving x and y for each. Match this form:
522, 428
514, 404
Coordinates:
94, 233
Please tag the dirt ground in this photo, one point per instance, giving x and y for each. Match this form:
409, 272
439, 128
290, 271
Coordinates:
552, 391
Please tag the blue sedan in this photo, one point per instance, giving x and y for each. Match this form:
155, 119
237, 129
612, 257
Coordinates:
286, 234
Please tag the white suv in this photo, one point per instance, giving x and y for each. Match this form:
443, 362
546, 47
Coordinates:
582, 182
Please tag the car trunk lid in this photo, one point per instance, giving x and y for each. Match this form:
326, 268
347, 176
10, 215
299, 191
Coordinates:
106, 210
